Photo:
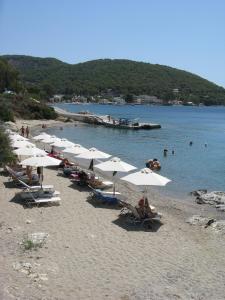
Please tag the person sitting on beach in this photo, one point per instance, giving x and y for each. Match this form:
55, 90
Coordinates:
148, 211
141, 207
53, 152
83, 177
29, 174
65, 163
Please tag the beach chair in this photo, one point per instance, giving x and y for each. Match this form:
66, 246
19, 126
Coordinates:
45, 187
37, 200
16, 177
104, 196
44, 191
100, 184
134, 216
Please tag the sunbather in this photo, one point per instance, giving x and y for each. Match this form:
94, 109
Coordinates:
144, 209
149, 213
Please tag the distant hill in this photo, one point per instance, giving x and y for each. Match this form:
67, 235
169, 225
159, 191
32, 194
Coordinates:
15, 101
122, 76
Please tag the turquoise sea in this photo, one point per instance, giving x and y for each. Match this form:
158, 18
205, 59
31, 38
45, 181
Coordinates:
192, 167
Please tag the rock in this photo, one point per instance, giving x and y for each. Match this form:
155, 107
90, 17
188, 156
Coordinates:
9, 229
220, 207
199, 200
200, 220
212, 198
198, 192
28, 221
38, 238
22, 267
219, 226
17, 266
43, 277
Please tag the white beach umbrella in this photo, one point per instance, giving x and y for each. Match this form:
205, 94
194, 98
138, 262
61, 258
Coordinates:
40, 161
93, 153
17, 137
29, 151
62, 143
51, 139
41, 136
75, 149
21, 144
115, 165
146, 177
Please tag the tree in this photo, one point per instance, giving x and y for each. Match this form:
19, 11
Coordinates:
6, 154
129, 98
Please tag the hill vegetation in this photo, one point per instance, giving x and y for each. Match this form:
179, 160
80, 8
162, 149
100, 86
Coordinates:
48, 76
19, 103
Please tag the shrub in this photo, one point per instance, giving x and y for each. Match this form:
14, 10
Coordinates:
6, 154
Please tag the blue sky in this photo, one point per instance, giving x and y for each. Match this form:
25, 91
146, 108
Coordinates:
185, 34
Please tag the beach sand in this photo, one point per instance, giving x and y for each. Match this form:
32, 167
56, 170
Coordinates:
92, 254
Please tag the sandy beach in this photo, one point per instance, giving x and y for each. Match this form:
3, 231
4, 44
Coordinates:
91, 254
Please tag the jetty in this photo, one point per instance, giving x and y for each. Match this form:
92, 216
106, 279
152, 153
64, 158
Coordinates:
106, 120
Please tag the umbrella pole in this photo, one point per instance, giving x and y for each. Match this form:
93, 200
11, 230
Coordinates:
114, 184
41, 176
145, 193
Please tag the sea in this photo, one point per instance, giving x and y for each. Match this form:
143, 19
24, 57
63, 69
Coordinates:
191, 167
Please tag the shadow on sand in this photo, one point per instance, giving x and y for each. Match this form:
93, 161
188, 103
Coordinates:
99, 204
125, 223
80, 188
9, 184
17, 199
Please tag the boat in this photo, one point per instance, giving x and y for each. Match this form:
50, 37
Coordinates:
124, 123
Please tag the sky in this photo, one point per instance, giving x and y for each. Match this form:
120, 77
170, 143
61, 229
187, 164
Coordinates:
185, 34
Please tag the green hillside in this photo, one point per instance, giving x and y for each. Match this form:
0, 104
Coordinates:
123, 76
17, 102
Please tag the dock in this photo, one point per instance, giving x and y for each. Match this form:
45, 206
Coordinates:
106, 120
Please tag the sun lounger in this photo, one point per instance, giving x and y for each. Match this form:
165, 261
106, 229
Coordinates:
98, 184
36, 187
44, 191
17, 176
134, 215
105, 197
40, 200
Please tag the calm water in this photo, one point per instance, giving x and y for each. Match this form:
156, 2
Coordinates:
192, 167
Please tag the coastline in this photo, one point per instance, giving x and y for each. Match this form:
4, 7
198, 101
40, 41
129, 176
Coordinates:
90, 255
